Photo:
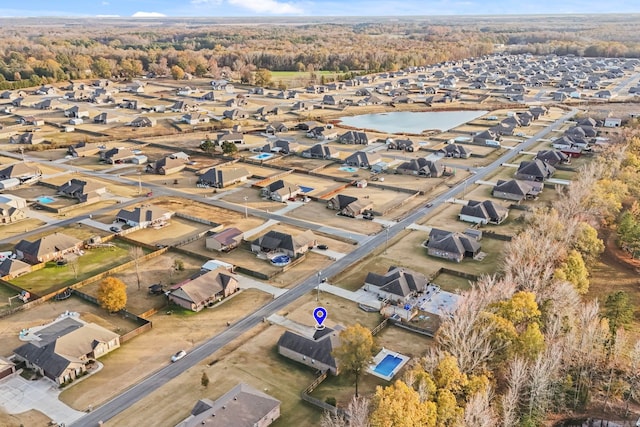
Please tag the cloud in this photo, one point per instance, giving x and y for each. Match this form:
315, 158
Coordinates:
272, 7
148, 15
105, 3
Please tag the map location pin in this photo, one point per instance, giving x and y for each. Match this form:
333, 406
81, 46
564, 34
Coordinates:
320, 314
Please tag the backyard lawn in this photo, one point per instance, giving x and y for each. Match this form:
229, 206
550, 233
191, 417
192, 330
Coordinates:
54, 277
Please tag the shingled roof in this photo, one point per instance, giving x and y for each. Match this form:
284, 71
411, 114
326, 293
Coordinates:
319, 349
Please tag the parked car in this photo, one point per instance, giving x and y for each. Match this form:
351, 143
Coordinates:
115, 229
179, 355
322, 247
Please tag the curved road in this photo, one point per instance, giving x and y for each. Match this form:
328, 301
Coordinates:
198, 354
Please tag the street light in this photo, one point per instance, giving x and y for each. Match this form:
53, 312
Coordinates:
246, 212
386, 239
319, 280
139, 183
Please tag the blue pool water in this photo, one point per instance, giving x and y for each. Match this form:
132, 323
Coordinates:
387, 365
281, 260
263, 156
306, 189
45, 199
348, 169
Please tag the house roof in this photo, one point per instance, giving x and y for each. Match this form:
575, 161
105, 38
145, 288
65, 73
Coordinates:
319, 349
486, 210
19, 170
242, 406
147, 213
223, 175
13, 266
49, 244
537, 168
205, 286
452, 242
398, 281
344, 200
227, 236
273, 240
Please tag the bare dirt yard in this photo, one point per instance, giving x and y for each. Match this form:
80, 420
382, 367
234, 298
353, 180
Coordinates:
318, 212
150, 351
251, 198
29, 418
14, 230
177, 230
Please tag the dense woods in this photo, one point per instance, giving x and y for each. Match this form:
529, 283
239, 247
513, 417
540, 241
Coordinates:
32, 53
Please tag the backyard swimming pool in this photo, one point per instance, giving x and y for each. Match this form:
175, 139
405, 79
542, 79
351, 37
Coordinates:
306, 189
280, 260
262, 156
45, 199
350, 169
386, 364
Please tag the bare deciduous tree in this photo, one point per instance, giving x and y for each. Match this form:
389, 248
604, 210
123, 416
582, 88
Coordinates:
517, 373
479, 412
136, 253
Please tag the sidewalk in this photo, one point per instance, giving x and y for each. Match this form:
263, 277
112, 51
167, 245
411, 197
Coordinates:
258, 229
249, 283
360, 296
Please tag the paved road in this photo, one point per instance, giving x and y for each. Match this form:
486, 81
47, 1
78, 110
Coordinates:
205, 350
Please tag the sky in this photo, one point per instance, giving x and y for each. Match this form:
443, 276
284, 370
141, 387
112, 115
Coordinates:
219, 8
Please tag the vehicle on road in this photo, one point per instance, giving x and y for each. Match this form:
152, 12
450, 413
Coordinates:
322, 247
115, 229
179, 355
428, 205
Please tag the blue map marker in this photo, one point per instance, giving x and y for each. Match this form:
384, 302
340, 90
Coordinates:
320, 314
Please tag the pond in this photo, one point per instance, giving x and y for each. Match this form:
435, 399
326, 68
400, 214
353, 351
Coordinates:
412, 122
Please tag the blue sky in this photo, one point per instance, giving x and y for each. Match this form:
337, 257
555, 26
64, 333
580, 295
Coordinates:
215, 8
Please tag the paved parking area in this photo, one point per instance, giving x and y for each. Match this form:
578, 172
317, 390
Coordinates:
19, 395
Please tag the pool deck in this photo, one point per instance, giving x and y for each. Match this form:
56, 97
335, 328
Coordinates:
380, 356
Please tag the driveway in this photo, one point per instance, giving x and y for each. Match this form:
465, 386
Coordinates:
18, 395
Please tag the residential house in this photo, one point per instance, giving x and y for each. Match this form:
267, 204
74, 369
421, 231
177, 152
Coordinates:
534, 170
166, 166
235, 114
348, 205
322, 133
195, 118
453, 246
397, 285
105, 118
456, 151
275, 242
143, 122
144, 216
354, 137
331, 100
183, 107
487, 212
302, 106
517, 190
65, 347
21, 171
205, 289
483, 137
117, 155
225, 240
76, 112
47, 248
276, 127
223, 177
83, 191
11, 268
319, 151
221, 84
400, 144
421, 167
242, 406
612, 122
281, 191
363, 159
10, 214
29, 138
82, 149
281, 146
235, 137
552, 157
315, 351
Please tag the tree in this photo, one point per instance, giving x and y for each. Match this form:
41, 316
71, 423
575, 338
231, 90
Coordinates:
399, 405
574, 270
229, 148
358, 410
355, 351
208, 146
262, 77
136, 253
588, 243
102, 68
177, 72
204, 380
618, 310
628, 232
112, 294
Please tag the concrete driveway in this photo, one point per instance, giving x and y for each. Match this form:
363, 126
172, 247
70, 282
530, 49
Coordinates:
18, 395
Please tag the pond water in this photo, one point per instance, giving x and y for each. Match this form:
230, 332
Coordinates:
412, 122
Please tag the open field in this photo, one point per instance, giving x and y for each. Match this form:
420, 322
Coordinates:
29, 418
318, 212
251, 198
17, 228
319, 185
225, 217
297, 162
150, 351
54, 277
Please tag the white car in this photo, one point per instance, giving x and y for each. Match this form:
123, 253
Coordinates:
179, 355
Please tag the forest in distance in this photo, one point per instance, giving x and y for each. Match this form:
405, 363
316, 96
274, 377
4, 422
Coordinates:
45, 50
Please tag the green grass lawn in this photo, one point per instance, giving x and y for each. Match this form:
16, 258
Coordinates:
54, 277
449, 282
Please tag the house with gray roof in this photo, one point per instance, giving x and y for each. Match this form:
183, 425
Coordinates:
314, 351
319, 151
82, 149
274, 242
354, 137
223, 177
453, 246
400, 144
47, 248
28, 138
348, 205
166, 166
534, 170
62, 349
242, 406
421, 167
11, 267
207, 288
281, 191
144, 216
486, 212
456, 151
22, 171
363, 159
82, 191
517, 190
117, 155
552, 157
235, 137
398, 284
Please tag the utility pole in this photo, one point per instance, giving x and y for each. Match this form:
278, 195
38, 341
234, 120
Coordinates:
319, 281
246, 212
386, 239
